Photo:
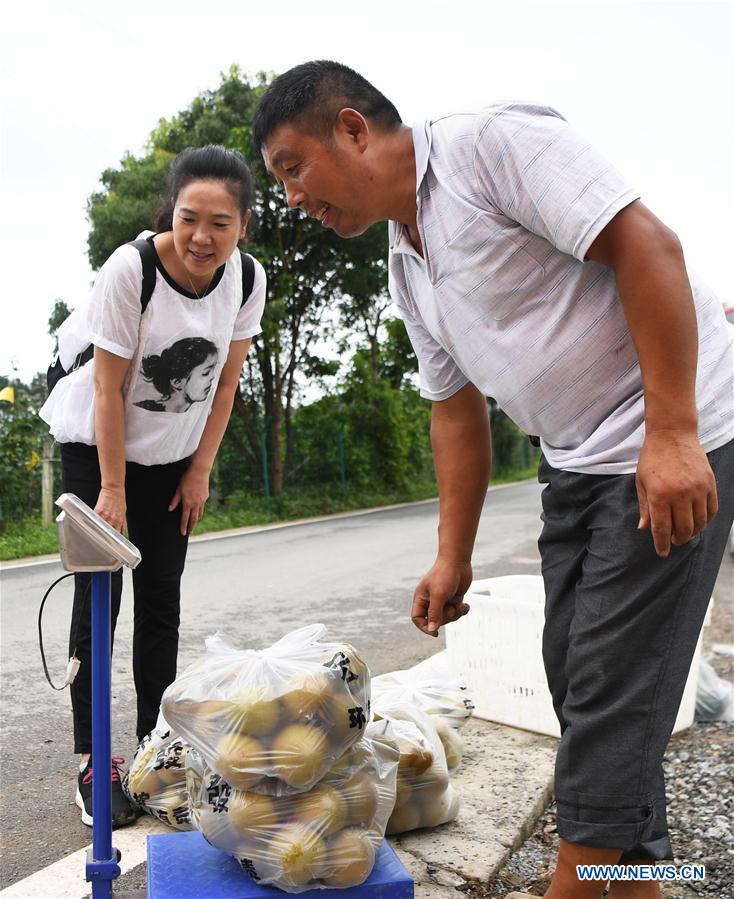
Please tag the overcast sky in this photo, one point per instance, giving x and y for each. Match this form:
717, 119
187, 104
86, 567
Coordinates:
83, 82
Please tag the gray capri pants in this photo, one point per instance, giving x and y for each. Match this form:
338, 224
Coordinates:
621, 626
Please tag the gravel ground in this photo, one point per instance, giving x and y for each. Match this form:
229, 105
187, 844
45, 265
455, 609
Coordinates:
698, 771
699, 766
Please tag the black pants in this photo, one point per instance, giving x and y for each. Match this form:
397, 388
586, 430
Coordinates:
620, 632
156, 584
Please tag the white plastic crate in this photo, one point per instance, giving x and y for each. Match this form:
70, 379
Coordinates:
497, 650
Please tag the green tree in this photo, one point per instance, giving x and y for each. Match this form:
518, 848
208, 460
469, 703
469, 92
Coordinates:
125, 205
58, 316
308, 269
383, 432
510, 445
22, 434
398, 361
365, 302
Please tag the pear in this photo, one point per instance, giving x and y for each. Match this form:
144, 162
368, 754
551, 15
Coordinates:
173, 807
345, 718
207, 710
415, 760
348, 665
141, 778
403, 819
170, 763
350, 857
441, 810
305, 695
386, 797
171, 777
323, 808
404, 791
257, 861
426, 792
435, 777
193, 786
255, 713
241, 760
254, 815
299, 755
299, 852
359, 686
361, 797
200, 718
218, 829
451, 742
173, 797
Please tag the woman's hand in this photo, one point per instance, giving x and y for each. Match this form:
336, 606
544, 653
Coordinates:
192, 494
112, 507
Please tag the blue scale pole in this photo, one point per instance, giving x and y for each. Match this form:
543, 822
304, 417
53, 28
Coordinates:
102, 867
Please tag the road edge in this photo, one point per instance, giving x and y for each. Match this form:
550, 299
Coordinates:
31, 561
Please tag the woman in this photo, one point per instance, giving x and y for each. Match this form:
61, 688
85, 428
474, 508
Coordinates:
140, 426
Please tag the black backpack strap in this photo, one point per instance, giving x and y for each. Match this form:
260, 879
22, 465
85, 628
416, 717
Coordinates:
147, 258
248, 276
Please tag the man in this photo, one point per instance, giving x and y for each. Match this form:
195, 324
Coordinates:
526, 268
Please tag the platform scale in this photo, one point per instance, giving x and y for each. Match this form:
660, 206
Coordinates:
87, 543
181, 865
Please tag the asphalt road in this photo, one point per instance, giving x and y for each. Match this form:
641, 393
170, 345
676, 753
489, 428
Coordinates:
354, 574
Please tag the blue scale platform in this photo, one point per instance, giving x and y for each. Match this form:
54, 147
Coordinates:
185, 866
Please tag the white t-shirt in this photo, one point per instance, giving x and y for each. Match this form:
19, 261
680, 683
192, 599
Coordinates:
509, 201
177, 350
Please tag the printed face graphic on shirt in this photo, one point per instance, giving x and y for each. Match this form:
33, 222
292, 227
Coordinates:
197, 384
183, 374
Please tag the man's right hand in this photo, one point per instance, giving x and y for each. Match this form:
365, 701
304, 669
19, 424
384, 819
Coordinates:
462, 455
112, 507
438, 598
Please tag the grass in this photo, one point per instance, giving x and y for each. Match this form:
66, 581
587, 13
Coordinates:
28, 537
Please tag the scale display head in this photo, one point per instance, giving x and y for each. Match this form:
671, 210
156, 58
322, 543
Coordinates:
89, 543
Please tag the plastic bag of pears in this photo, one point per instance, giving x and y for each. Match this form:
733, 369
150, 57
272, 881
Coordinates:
156, 779
326, 837
432, 692
424, 795
274, 720
445, 699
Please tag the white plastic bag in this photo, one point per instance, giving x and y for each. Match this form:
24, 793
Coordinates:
436, 694
326, 837
714, 697
444, 698
274, 720
424, 795
156, 780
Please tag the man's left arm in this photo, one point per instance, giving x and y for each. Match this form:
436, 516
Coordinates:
675, 484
